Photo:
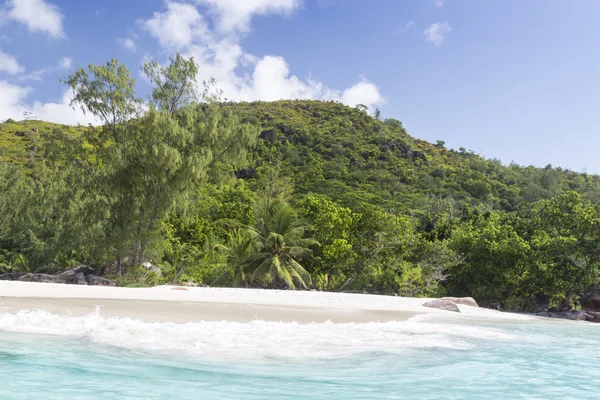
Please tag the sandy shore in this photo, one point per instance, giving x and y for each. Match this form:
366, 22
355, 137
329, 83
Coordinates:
177, 304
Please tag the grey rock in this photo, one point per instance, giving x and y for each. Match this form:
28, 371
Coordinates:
590, 300
442, 305
43, 278
98, 281
71, 273
12, 276
467, 301
593, 316
80, 279
267, 134
152, 268
559, 314
542, 314
246, 173
578, 316
416, 155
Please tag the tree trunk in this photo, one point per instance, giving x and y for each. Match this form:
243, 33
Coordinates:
178, 275
119, 266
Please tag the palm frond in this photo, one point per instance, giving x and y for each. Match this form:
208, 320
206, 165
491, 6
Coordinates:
298, 251
301, 271
283, 273
296, 275
264, 269
222, 279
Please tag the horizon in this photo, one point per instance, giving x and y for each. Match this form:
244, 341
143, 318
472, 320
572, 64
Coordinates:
485, 76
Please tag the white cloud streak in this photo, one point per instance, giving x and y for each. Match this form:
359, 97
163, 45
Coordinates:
436, 32
236, 15
63, 64
9, 64
408, 26
128, 44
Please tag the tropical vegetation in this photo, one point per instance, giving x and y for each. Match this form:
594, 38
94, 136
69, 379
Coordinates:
287, 194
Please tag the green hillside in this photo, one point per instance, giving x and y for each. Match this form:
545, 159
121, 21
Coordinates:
20, 141
344, 153
349, 156
286, 194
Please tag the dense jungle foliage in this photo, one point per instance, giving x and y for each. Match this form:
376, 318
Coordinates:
286, 194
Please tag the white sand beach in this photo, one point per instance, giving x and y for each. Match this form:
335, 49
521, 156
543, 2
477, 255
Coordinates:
192, 304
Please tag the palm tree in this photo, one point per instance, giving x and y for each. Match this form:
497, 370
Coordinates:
280, 238
239, 251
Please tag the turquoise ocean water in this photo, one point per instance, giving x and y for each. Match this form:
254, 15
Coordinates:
44, 356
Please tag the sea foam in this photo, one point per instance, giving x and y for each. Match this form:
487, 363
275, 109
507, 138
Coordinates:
255, 340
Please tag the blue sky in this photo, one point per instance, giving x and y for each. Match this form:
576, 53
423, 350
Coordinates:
510, 79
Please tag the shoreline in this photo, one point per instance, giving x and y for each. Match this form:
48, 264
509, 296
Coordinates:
183, 312
193, 304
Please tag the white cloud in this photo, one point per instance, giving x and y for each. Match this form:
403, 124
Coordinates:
235, 15
177, 27
9, 64
13, 105
408, 26
61, 112
439, 3
364, 92
435, 32
219, 55
34, 76
11, 101
65, 63
127, 43
271, 81
37, 15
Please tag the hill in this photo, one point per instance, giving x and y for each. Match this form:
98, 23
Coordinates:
349, 156
346, 154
